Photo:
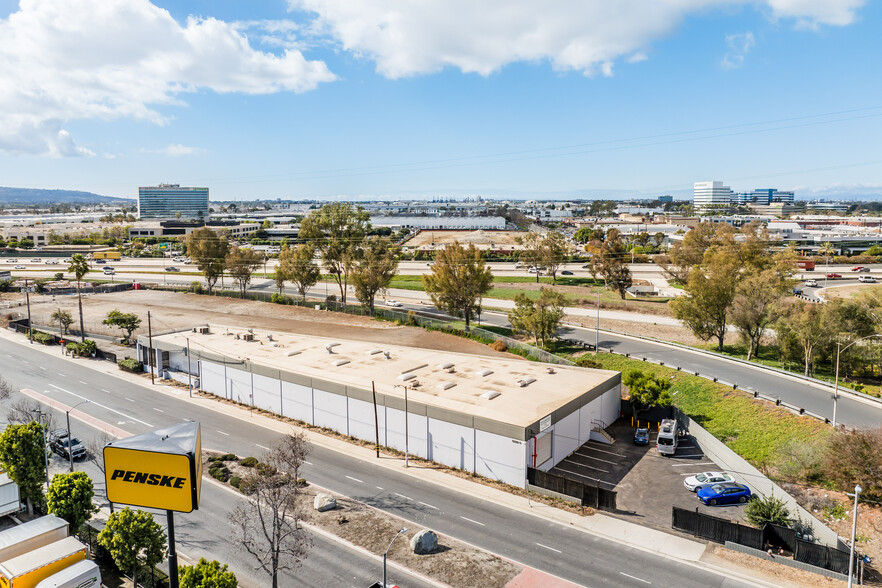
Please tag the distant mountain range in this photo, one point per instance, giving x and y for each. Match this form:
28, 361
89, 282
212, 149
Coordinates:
25, 196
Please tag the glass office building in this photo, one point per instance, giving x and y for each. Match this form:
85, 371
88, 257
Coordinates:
167, 200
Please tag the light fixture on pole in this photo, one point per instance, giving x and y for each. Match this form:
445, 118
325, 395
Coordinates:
857, 492
69, 434
836, 379
403, 530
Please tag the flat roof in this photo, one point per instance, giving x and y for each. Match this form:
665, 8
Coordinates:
512, 391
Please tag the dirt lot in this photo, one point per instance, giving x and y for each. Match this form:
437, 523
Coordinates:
175, 310
663, 332
427, 238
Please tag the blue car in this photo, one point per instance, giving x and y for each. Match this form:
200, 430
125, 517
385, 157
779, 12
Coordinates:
641, 436
726, 493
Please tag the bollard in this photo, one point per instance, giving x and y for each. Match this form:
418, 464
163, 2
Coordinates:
755, 394
715, 379
777, 402
734, 386
678, 368
801, 411
661, 363
697, 374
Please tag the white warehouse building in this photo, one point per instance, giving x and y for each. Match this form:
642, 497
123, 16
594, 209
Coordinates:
494, 416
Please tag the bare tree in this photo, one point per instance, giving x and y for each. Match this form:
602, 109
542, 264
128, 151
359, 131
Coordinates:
24, 410
268, 525
95, 447
5, 389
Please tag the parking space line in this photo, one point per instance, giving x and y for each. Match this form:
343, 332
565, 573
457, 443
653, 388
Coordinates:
609, 452
595, 458
586, 477
692, 464
576, 463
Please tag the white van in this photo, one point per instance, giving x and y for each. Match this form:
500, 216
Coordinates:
667, 437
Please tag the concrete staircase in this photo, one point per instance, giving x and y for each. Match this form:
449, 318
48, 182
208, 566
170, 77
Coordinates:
599, 427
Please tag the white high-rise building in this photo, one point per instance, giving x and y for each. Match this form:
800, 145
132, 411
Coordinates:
711, 193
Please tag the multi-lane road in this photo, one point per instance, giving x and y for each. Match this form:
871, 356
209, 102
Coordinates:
567, 552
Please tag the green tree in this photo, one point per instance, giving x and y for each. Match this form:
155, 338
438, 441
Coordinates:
79, 267
611, 263
209, 250
126, 321
533, 252
647, 391
207, 574
587, 234
133, 539
374, 269
855, 456
23, 458
803, 331
556, 251
63, 318
337, 230
539, 319
267, 526
767, 509
298, 267
70, 497
752, 307
458, 280
241, 264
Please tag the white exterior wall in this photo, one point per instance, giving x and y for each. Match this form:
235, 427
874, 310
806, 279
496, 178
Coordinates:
239, 385
361, 419
212, 379
267, 393
297, 402
331, 411
501, 458
567, 437
451, 444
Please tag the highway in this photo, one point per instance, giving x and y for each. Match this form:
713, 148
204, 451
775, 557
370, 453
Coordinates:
574, 555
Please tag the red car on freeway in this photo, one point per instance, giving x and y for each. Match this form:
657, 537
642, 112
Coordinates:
834, 276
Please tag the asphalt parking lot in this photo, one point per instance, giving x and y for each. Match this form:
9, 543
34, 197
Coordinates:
647, 483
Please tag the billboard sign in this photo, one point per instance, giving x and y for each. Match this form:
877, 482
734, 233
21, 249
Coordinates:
160, 469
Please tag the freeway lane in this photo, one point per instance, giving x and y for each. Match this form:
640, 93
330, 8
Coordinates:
566, 552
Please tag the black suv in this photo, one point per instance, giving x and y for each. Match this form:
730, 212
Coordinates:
59, 441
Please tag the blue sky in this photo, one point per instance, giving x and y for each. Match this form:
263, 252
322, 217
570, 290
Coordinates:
407, 98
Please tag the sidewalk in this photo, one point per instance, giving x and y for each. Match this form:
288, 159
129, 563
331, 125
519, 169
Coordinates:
613, 529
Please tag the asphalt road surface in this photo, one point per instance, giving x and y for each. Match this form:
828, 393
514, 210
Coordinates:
569, 553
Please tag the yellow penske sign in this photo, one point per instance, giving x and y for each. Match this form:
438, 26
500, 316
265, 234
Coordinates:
161, 469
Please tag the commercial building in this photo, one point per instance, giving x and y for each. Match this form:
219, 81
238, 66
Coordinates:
439, 223
234, 230
494, 416
714, 193
167, 200
763, 197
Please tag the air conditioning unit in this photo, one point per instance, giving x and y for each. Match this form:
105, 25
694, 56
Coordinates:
202, 330
248, 336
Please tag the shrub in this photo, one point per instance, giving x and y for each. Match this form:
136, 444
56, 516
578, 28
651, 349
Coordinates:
277, 298
219, 472
196, 287
130, 365
586, 361
88, 347
44, 338
249, 462
235, 482
767, 509
265, 469
498, 346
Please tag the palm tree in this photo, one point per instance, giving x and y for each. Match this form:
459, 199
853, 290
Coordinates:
79, 267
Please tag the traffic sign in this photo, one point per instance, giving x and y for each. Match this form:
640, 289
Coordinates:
28, 290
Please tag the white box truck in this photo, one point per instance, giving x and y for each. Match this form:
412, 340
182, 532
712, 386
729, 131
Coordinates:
28, 570
31, 535
83, 574
10, 500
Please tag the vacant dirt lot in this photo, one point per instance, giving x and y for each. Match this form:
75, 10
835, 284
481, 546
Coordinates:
176, 310
427, 238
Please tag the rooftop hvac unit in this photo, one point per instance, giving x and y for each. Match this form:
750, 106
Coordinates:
269, 336
490, 395
387, 354
330, 347
485, 373
549, 370
525, 382
248, 336
445, 366
203, 330
415, 384
340, 362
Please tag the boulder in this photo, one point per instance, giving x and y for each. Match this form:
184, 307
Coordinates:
424, 542
324, 502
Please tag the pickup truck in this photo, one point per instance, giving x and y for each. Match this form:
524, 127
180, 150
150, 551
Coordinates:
59, 441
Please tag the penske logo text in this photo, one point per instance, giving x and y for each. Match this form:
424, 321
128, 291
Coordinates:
148, 479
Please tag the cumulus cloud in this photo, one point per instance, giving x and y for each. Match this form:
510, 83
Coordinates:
64, 60
738, 47
176, 150
411, 37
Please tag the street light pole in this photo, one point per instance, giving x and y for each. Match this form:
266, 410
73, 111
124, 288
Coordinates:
69, 434
597, 325
403, 530
857, 492
840, 349
189, 373
45, 444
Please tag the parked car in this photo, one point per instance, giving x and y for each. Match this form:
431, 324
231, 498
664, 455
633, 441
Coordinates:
60, 441
641, 436
812, 283
566, 273
867, 279
860, 268
699, 481
724, 493
393, 303
833, 276
187, 262
172, 268
19, 267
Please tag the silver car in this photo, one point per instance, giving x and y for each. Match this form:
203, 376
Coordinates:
699, 481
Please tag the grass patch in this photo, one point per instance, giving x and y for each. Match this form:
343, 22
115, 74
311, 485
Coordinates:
751, 428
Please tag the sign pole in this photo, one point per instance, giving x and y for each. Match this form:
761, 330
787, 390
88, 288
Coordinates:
150, 358
376, 420
172, 554
30, 325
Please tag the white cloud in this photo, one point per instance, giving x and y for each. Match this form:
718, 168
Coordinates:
739, 46
176, 150
63, 60
410, 37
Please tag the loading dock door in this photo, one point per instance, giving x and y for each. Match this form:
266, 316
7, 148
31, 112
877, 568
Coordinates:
542, 448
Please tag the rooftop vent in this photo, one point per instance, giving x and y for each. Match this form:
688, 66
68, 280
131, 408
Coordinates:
485, 373
340, 362
491, 394
549, 370
445, 366
523, 382
387, 354
294, 352
406, 377
248, 336
269, 336
446, 385
330, 347
203, 330
374, 351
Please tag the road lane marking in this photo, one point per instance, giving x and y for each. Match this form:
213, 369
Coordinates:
102, 406
429, 505
267, 448
62, 375
471, 520
551, 548
83, 383
24, 361
42, 368
103, 390
158, 409
356, 479
379, 487
635, 578
129, 399
402, 496
307, 462
222, 433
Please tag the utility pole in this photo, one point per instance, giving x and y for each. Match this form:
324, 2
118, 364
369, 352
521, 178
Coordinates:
376, 419
597, 326
27, 291
150, 360
406, 433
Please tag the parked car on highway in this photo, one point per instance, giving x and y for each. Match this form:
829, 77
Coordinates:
187, 262
724, 493
172, 268
867, 279
60, 441
811, 283
860, 268
393, 303
107, 267
566, 273
833, 276
641, 436
19, 267
699, 481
